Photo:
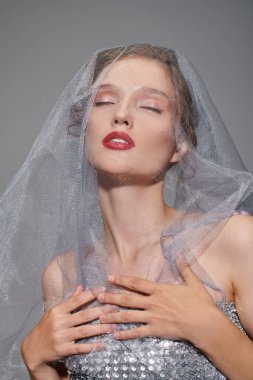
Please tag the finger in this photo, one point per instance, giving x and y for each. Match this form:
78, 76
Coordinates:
133, 283
97, 290
85, 348
77, 301
133, 316
89, 314
134, 333
78, 290
87, 331
187, 273
122, 299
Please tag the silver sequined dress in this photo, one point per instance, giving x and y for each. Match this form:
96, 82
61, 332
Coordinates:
147, 358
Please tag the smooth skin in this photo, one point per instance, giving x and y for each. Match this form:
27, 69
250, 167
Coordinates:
188, 312
58, 330
127, 188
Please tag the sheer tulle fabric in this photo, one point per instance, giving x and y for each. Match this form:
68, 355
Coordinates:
50, 210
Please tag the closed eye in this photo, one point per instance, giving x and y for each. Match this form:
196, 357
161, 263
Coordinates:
157, 110
102, 103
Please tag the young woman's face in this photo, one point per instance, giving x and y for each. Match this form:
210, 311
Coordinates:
135, 101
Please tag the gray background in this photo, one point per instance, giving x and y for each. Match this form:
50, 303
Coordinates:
44, 42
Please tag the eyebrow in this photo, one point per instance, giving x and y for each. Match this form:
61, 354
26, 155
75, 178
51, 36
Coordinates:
147, 89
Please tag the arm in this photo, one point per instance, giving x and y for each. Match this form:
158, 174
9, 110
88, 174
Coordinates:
63, 324
233, 353
222, 342
190, 314
226, 346
183, 312
46, 371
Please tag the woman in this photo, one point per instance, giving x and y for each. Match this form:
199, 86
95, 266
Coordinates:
177, 273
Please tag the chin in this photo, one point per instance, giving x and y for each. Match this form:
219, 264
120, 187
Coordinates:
119, 169
120, 177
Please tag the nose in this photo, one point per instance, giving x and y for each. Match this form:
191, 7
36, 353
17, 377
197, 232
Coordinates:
123, 117
118, 121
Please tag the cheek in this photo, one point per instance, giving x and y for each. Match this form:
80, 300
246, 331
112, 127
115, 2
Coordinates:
160, 154
154, 152
99, 122
159, 141
91, 140
94, 130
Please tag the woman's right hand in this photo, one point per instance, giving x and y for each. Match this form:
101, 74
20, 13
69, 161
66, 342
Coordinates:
55, 335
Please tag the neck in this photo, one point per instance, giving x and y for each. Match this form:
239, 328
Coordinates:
133, 216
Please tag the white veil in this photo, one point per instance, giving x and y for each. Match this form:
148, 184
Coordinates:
52, 206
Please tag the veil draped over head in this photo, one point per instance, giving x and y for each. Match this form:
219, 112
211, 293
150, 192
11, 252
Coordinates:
50, 212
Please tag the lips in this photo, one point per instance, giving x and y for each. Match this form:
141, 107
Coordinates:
118, 141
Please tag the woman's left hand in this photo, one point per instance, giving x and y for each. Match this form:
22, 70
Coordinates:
177, 311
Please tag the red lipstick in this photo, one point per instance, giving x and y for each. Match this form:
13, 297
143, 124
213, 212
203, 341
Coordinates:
118, 141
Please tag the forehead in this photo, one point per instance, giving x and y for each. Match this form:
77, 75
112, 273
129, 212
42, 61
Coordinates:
130, 73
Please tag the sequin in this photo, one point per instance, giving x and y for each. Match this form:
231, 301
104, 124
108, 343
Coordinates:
147, 358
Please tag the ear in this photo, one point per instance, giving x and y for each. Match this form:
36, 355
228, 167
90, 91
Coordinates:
180, 152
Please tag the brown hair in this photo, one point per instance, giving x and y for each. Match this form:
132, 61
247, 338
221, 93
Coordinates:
187, 109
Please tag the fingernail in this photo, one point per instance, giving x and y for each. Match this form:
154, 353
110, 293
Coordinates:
102, 318
100, 289
78, 288
116, 335
113, 308
101, 297
112, 328
111, 278
100, 347
182, 260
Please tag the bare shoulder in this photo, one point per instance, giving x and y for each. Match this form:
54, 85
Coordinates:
229, 258
58, 272
237, 237
237, 243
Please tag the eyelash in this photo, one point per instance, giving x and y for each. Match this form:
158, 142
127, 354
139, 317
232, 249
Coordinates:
157, 110
97, 104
